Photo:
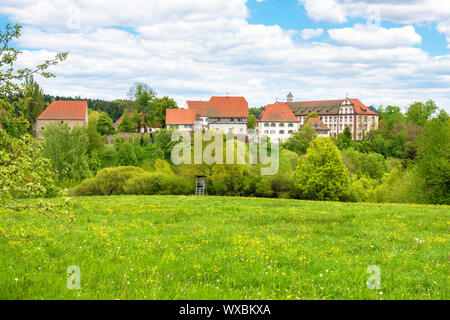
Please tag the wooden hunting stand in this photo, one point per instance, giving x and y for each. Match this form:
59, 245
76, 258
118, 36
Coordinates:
200, 185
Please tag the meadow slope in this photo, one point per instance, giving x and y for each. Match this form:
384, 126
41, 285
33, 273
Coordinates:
175, 247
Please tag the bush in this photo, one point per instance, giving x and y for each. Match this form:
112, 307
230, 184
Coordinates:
158, 183
109, 181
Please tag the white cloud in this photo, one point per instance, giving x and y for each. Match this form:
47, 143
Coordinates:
215, 53
375, 37
311, 33
399, 11
444, 27
329, 10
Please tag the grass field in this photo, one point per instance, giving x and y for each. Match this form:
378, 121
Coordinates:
169, 247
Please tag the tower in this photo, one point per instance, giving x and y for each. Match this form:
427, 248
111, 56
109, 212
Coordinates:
290, 97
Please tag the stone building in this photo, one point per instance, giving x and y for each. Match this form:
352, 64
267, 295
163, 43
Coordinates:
72, 113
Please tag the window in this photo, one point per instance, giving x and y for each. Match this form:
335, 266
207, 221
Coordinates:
266, 131
266, 124
290, 131
42, 128
281, 131
290, 125
62, 121
272, 131
188, 126
273, 124
281, 125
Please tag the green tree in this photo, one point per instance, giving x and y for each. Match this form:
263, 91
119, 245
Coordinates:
144, 98
126, 155
160, 105
300, 140
12, 94
433, 147
420, 112
23, 171
251, 121
67, 149
344, 140
311, 115
34, 97
321, 174
105, 124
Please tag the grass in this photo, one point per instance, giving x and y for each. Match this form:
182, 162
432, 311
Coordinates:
169, 247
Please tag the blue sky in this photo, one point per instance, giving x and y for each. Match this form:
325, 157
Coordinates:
318, 49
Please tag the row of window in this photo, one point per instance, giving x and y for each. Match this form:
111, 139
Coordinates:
281, 125
279, 132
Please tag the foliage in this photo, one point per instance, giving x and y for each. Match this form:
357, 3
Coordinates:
433, 146
251, 121
163, 167
126, 155
344, 140
110, 181
311, 115
300, 140
372, 165
321, 174
105, 124
67, 149
420, 112
24, 173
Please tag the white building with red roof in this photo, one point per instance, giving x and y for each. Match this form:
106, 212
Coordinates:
277, 121
72, 113
338, 114
181, 119
221, 113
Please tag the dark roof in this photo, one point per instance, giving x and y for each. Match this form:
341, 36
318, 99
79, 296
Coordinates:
327, 107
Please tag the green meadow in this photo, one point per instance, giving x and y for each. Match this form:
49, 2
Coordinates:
177, 247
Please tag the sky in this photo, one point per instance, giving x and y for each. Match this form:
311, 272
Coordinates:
381, 52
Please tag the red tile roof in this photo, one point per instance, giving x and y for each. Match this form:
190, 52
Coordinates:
65, 110
221, 107
180, 116
278, 112
317, 124
360, 108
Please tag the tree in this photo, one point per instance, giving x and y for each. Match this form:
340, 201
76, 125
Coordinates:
34, 97
144, 96
344, 139
23, 171
105, 124
11, 92
419, 112
300, 140
128, 123
251, 121
311, 115
67, 149
321, 174
160, 105
433, 147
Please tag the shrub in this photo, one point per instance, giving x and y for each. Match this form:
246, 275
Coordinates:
158, 183
109, 181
